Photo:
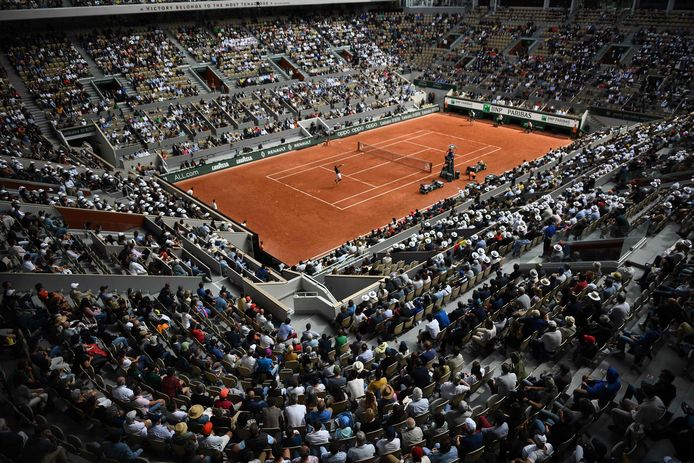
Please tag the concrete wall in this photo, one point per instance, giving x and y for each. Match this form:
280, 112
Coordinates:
265, 300
151, 284
111, 221
280, 290
344, 286
314, 305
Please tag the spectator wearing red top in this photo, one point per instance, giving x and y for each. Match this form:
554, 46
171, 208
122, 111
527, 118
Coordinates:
580, 285
223, 401
171, 385
198, 334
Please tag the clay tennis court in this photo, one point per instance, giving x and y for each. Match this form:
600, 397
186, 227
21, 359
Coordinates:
299, 212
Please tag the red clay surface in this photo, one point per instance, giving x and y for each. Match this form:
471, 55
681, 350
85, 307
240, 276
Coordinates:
293, 203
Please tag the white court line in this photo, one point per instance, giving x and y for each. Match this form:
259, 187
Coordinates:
346, 176
308, 194
459, 138
387, 183
349, 157
341, 159
340, 154
389, 162
496, 148
457, 156
401, 178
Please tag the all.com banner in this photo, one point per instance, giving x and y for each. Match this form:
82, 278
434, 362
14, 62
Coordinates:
296, 145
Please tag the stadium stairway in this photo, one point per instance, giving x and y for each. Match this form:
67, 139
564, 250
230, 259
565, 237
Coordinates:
594, 124
94, 94
184, 53
94, 69
195, 80
129, 90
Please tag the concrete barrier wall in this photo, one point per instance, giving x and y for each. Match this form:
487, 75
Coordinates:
408, 256
173, 163
314, 305
610, 249
343, 287
265, 300
280, 290
111, 221
151, 284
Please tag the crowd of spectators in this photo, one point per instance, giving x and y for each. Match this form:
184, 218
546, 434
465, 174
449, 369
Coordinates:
190, 372
300, 42
141, 195
235, 51
147, 58
51, 68
18, 131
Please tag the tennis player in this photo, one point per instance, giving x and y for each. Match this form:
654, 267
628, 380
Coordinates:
338, 173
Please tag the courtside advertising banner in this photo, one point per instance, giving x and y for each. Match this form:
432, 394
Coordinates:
518, 113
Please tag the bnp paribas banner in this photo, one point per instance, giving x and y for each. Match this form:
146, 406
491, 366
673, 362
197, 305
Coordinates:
245, 158
518, 113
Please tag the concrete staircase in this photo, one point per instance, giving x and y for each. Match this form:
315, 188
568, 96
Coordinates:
94, 69
125, 83
94, 94
196, 81
594, 124
184, 53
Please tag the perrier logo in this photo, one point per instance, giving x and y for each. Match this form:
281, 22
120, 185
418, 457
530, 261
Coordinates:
544, 118
486, 108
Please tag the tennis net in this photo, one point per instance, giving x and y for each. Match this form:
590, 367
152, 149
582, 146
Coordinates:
416, 163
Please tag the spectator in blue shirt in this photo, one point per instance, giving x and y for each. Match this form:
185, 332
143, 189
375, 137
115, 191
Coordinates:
429, 353
548, 234
285, 330
321, 413
264, 365
220, 302
262, 273
445, 453
201, 291
351, 307
442, 317
640, 344
602, 390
